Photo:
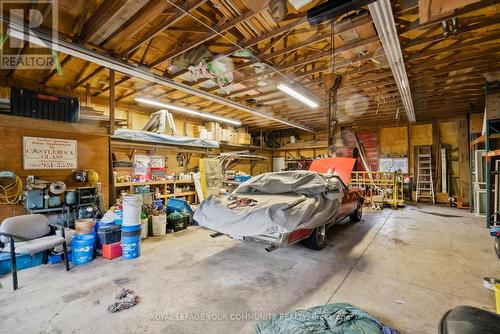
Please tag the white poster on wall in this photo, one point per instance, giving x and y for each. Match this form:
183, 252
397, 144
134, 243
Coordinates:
49, 153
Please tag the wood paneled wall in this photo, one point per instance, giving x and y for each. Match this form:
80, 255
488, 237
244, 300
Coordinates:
93, 150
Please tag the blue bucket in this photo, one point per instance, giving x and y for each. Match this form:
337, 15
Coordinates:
82, 248
131, 241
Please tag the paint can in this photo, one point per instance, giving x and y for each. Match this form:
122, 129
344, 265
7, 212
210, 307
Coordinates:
132, 206
159, 225
82, 248
144, 228
131, 241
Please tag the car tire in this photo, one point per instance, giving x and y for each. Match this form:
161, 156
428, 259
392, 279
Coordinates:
317, 239
358, 214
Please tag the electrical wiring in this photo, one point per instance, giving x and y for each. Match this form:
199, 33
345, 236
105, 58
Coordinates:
12, 192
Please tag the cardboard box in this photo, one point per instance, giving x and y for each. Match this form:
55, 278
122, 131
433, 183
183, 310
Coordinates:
198, 130
216, 129
492, 106
190, 129
226, 135
244, 139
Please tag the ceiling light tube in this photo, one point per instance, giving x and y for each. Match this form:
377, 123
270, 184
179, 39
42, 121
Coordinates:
381, 13
195, 113
299, 96
38, 37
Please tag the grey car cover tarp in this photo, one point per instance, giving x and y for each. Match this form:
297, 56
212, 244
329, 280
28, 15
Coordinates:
285, 202
152, 137
340, 318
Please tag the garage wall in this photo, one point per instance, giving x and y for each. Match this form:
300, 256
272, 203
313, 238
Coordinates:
93, 151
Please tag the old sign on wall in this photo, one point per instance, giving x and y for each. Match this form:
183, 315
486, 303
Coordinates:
49, 153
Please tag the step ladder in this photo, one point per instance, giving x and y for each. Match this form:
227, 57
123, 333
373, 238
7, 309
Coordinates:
425, 186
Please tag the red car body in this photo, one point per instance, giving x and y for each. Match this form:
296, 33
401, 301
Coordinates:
352, 201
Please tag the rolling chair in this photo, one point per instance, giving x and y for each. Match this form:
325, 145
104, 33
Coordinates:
29, 234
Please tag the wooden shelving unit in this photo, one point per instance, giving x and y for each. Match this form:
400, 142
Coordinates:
190, 196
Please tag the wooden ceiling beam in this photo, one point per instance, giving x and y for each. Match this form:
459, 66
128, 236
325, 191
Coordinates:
454, 47
135, 91
186, 6
462, 57
108, 18
316, 57
208, 36
54, 71
458, 66
116, 84
87, 77
483, 23
406, 6
136, 23
460, 11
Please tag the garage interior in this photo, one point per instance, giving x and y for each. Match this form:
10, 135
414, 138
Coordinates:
250, 166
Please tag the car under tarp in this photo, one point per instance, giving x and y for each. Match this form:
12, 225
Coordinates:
279, 202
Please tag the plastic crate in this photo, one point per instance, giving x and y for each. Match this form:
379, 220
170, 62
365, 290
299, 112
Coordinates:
179, 205
178, 225
23, 261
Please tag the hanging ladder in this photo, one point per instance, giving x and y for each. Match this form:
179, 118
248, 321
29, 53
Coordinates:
425, 186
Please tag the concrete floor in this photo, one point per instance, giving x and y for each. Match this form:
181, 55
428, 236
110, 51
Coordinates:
405, 266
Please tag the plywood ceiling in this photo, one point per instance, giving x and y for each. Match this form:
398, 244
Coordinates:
445, 73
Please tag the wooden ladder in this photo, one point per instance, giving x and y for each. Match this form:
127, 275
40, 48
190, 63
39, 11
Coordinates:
425, 186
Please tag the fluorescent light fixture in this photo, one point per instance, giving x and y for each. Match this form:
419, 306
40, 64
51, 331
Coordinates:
299, 96
381, 13
41, 38
192, 112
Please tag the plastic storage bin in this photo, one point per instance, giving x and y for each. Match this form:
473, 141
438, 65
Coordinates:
179, 205
109, 234
23, 261
112, 251
178, 225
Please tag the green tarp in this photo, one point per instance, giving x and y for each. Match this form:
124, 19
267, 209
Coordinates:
328, 319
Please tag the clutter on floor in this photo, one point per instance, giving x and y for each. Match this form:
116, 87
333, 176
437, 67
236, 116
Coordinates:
125, 299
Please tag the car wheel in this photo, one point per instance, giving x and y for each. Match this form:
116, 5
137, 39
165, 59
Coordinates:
358, 214
317, 239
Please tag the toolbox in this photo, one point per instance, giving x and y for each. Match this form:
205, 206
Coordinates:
109, 234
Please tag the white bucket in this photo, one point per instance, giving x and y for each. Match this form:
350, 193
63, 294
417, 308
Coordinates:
159, 225
144, 228
132, 206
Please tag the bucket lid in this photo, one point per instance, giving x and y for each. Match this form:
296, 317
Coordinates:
84, 236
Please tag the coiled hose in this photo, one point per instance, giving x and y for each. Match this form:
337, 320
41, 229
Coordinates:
12, 192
